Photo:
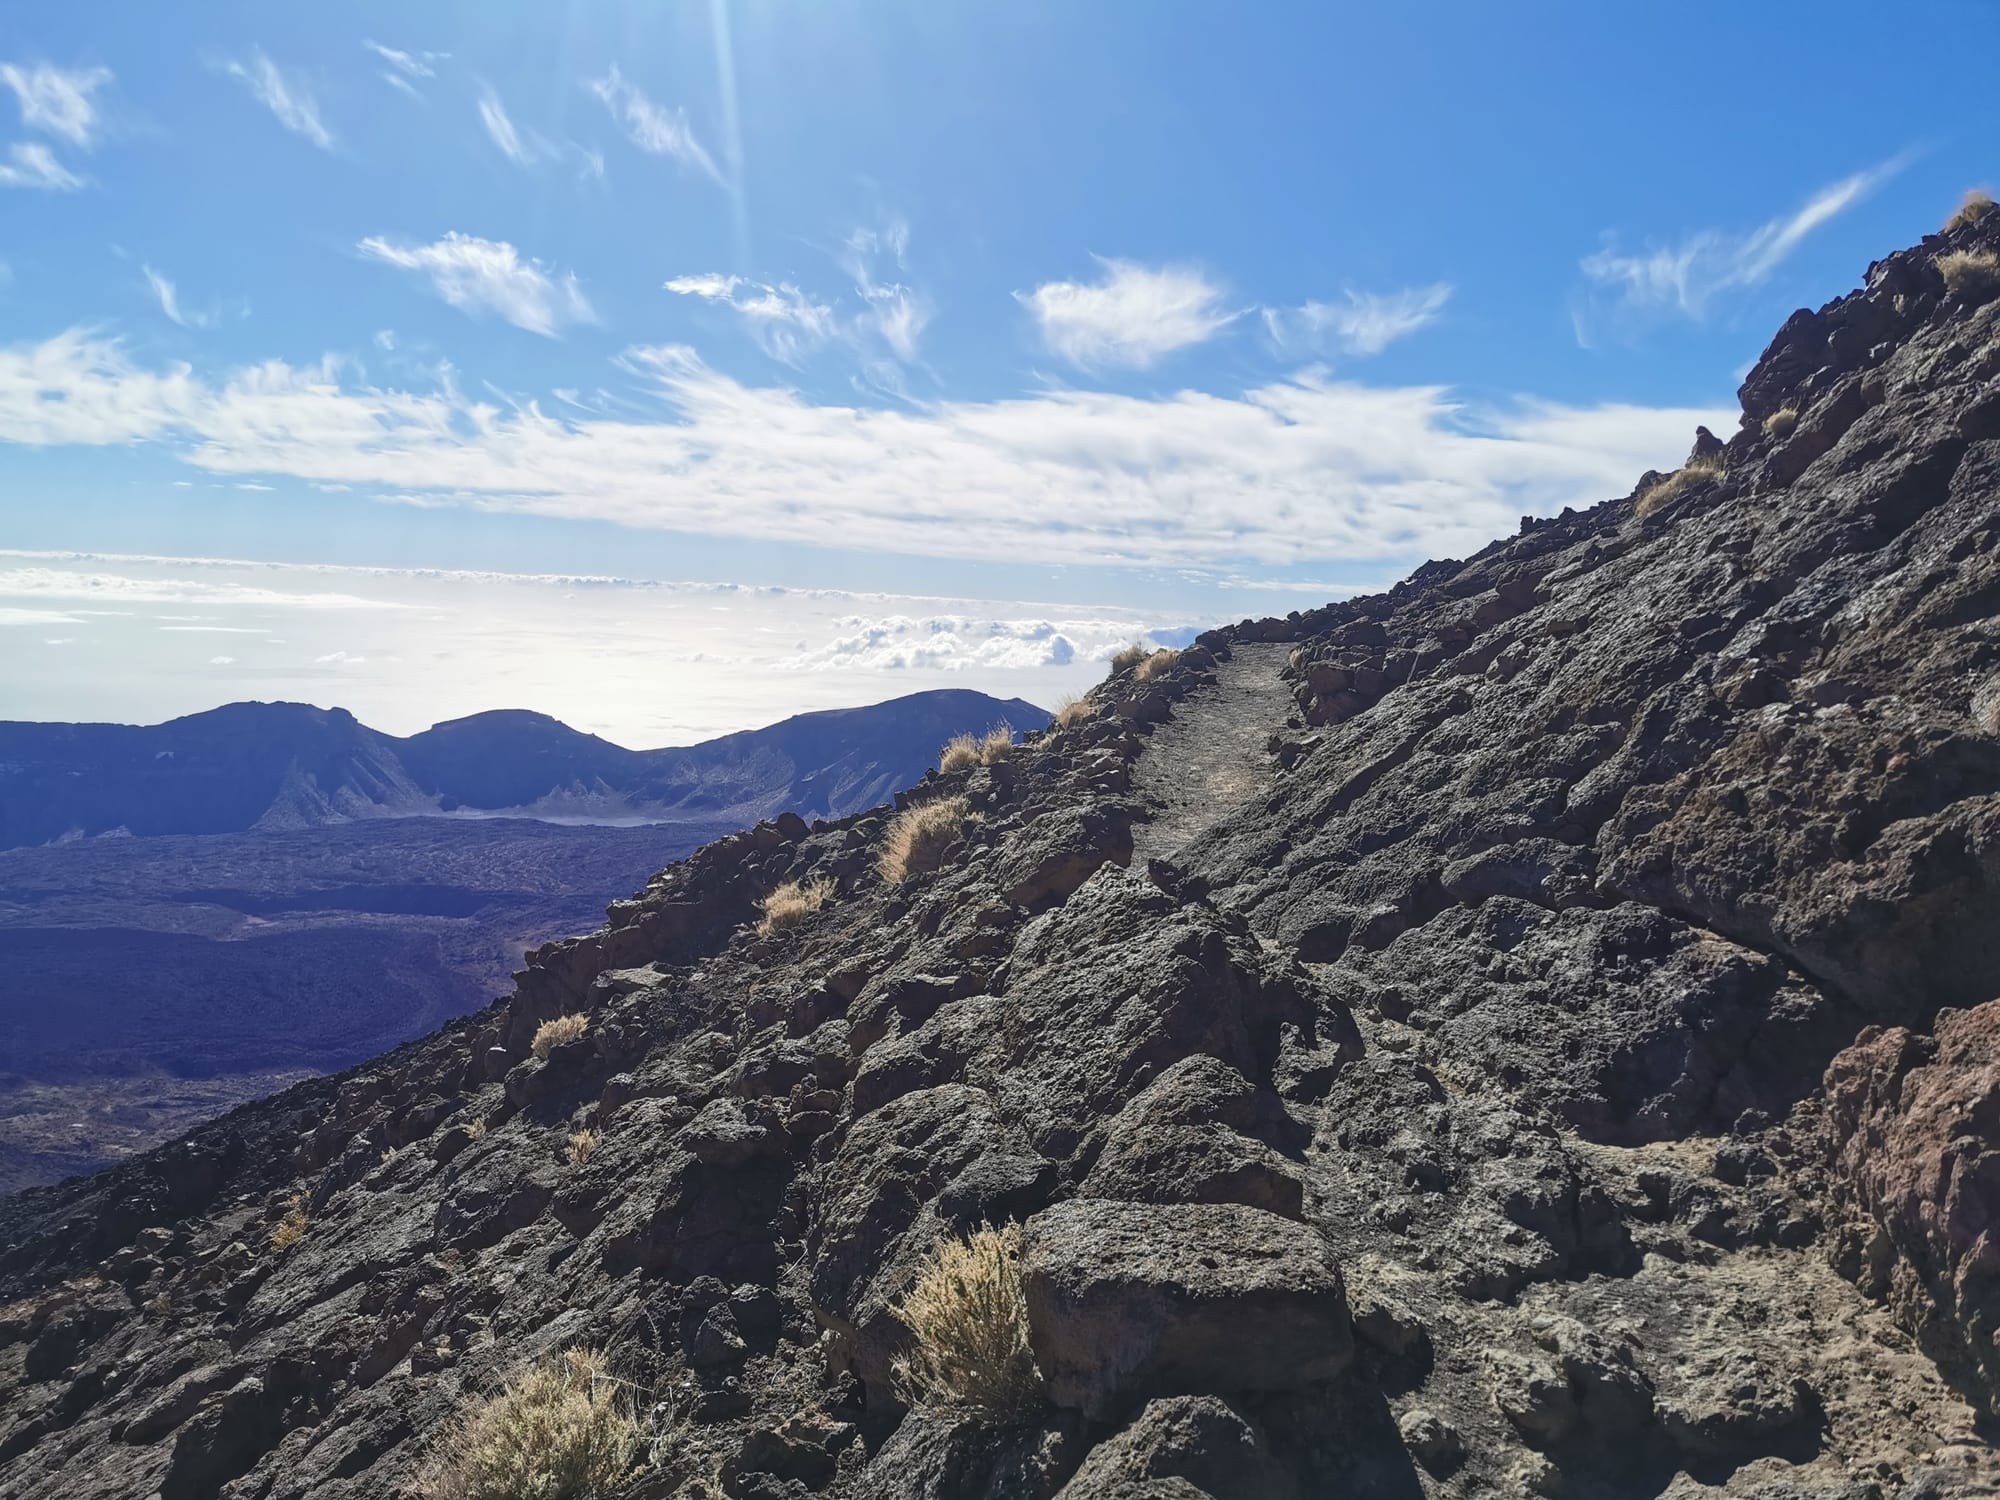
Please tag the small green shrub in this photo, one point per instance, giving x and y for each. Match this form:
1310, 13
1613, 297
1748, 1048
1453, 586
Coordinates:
968, 1325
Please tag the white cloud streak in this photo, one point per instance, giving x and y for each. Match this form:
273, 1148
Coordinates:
1361, 323
1134, 316
1685, 278
30, 164
284, 94
406, 64
785, 322
651, 127
788, 324
493, 115
43, 582
168, 296
1290, 472
58, 101
476, 275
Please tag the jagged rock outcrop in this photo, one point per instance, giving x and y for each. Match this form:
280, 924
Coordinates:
1555, 1061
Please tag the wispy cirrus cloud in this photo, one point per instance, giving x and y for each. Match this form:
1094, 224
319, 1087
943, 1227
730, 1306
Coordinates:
523, 151
168, 296
405, 69
789, 324
1132, 316
1338, 470
58, 101
30, 164
1360, 323
284, 93
652, 127
1685, 278
897, 314
784, 321
477, 275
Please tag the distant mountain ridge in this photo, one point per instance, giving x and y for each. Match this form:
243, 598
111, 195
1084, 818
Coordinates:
277, 766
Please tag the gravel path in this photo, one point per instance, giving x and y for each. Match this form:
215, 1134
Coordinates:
1210, 757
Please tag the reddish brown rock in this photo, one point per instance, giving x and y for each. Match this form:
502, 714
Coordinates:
1913, 1127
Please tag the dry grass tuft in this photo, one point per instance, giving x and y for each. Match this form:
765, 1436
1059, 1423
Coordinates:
918, 836
1678, 483
1976, 205
967, 750
1971, 273
1780, 423
969, 1327
961, 753
791, 903
1154, 665
477, 1128
292, 1228
1131, 656
552, 1034
581, 1147
563, 1430
1073, 709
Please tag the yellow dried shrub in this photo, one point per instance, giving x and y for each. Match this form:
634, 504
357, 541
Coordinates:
1780, 423
582, 1145
563, 1430
959, 753
552, 1034
1971, 273
998, 744
1678, 483
968, 1325
1975, 206
292, 1228
1154, 665
1073, 710
917, 837
1131, 656
791, 903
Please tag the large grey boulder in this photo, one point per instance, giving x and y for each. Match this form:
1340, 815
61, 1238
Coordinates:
1195, 1441
1131, 1300
1197, 1134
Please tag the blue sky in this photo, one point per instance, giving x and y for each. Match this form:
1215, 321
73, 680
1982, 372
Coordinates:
1193, 311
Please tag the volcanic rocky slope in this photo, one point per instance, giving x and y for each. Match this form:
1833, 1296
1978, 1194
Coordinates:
1527, 1033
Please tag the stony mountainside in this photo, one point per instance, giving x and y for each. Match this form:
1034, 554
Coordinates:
1531, 1032
271, 766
